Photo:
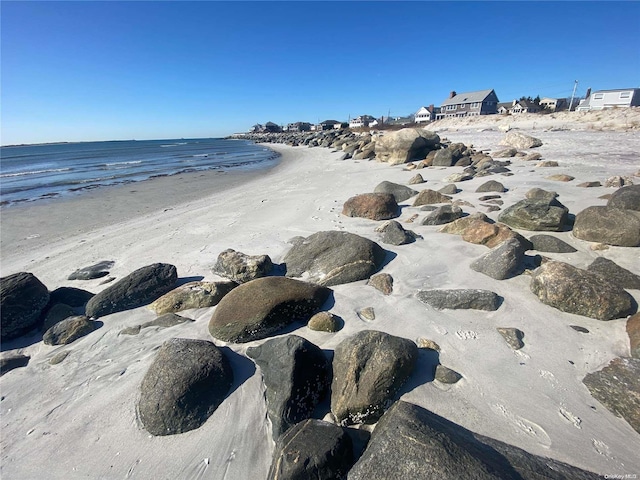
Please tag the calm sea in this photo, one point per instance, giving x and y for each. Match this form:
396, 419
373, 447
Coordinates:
33, 172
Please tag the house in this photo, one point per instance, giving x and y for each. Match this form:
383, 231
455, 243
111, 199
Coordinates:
553, 104
523, 106
426, 114
602, 99
330, 125
271, 127
504, 107
361, 121
408, 120
298, 127
482, 102
257, 128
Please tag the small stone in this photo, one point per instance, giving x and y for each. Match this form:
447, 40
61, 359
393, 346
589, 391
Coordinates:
560, 178
513, 336
240, 267
580, 329
69, 330
324, 322
367, 313
449, 189
382, 282
546, 163
486, 198
447, 375
415, 180
429, 344
589, 184
59, 357
99, 270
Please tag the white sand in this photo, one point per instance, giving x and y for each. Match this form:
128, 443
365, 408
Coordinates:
78, 420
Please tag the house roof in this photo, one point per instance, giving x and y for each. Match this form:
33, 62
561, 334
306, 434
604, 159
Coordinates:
615, 90
505, 105
468, 97
330, 122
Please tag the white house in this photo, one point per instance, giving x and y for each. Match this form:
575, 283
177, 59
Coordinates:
553, 104
426, 114
618, 98
361, 121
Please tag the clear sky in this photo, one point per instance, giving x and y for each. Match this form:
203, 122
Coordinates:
75, 71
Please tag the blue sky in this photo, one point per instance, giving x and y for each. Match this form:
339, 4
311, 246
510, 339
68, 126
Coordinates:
77, 71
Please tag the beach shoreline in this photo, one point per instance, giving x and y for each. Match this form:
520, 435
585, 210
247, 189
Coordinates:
532, 398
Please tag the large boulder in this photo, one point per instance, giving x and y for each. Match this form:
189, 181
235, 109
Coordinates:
612, 226
258, 308
192, 295
537, 215
520, 140
296, 375
74, 297
501, 262
548, 243
332, 257
312, 449
135, 290
22, 300
240, 267
617, 387
400, 192
460, 299
626, 198
69, 330
577, 291
633, 331
404, 145
368, 370
374, 206
184, 385
614, 273
411, 443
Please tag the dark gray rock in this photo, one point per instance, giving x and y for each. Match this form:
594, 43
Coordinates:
332, 257
100, 269
374, 206
55, 314
460, 299
443, 214
547, 196
312, 449
22, 300
633, 331
74, 297
258, 308
512, 336
13, 361
491, 186
410, 442
69, 330
429, 197
192, 295
614, 273
626, 198
446, 375
572, 290
503, 261
400, 192
296, 375
549, 243
617, 387
449, 189
394, 233
184, 385
612, 226
444, 158
580, 329
242, 268
135, 290
163, 321
536, 215
368, 370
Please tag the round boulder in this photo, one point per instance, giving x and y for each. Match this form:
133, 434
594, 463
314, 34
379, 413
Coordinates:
375, 206
626, 198
22, 299
612, 226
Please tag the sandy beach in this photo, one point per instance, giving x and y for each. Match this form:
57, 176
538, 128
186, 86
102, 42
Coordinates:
78, 419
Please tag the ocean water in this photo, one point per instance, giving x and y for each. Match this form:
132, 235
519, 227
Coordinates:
34, 172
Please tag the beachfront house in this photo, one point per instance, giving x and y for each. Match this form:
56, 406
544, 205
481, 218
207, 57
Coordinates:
361, 121
257, 128
298, 127
426, 114
482, 102
504, 107
603, 99
523, 106
553, 104
330, 125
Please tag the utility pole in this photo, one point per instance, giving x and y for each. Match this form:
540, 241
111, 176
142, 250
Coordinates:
575, 85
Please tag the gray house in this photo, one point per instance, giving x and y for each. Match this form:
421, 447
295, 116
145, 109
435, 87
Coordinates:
601, 99
483, 102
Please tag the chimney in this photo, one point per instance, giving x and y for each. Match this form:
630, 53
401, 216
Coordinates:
430, 108
588, 94
513, 104
452, 94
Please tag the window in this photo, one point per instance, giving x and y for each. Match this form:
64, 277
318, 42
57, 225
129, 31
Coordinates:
625, 94
598, 96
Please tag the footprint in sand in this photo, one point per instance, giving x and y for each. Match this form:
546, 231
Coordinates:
198, 471
466, 335
522, 425
570, 417
601, 448
441, 330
